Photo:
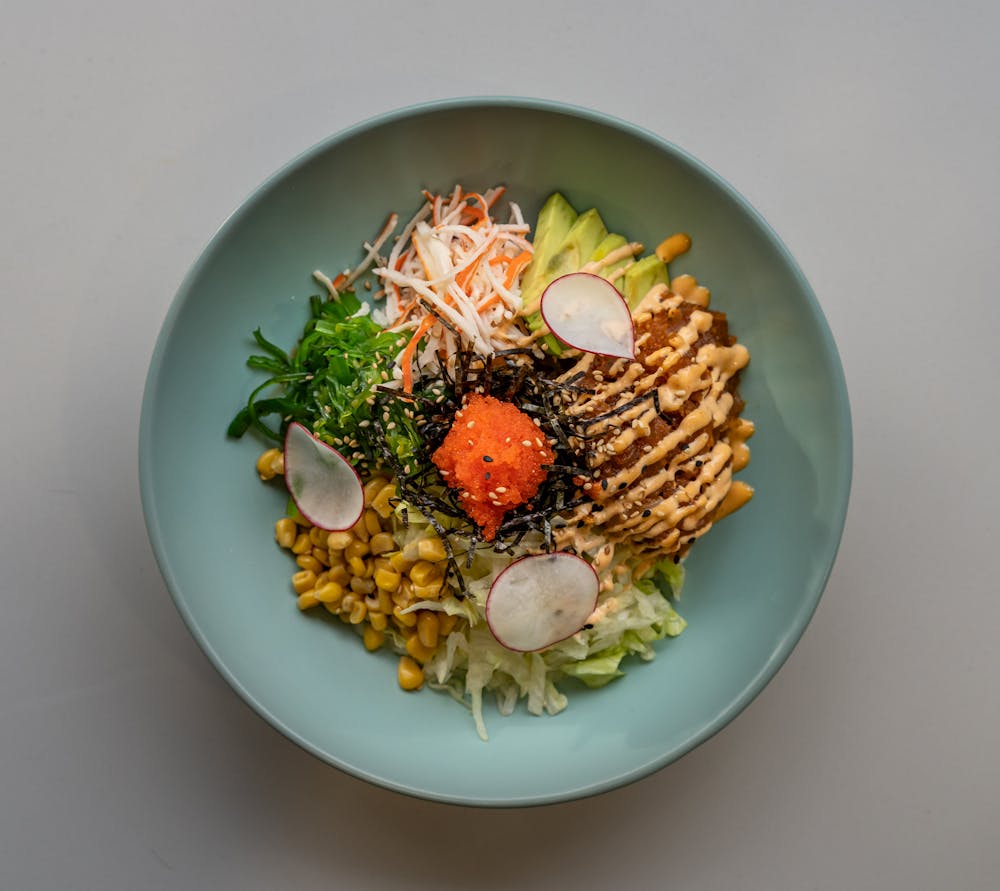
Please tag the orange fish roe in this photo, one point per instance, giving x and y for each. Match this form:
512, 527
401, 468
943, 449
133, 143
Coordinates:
493, 456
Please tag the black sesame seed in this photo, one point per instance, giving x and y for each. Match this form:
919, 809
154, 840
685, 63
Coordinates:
588, 626
646, 513
604, 485
677, 558
487, 474
622, 486
697, 463
487, 459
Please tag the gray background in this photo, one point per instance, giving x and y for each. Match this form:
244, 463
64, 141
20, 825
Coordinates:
869, 138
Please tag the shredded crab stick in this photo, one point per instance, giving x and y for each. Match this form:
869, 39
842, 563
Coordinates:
452, 278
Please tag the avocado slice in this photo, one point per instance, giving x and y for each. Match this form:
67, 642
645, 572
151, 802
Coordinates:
610, 243
570, 255
555, 219
642, 276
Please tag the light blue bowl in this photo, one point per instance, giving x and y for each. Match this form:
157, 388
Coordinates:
753, 583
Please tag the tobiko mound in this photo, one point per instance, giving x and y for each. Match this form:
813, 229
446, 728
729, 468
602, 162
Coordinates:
528, 499
495, 457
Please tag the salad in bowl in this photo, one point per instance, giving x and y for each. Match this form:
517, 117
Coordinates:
501, 438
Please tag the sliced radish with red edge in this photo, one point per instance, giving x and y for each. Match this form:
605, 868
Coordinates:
326, 489
540, 600
589, 313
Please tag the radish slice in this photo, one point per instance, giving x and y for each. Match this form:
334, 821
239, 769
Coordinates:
326, 489
589, 313
540, 600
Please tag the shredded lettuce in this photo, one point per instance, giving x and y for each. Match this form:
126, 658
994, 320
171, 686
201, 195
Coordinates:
631, 616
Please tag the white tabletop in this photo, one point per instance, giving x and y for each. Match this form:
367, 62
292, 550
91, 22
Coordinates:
869, 139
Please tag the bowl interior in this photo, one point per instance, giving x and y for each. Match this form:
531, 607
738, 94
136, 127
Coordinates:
752, 583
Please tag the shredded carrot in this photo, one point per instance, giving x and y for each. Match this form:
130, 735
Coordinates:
488, 302
340, 281
462, 279
410, 351
515, 267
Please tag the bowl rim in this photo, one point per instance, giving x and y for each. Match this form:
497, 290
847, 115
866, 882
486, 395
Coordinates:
843, 469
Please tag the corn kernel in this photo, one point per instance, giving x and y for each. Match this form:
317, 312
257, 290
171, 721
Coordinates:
399, 562
322, 554
428, 592
382, 542
387, 579
423, 573
446, 624
375, 485
357, 566
373, 638
378, 621
417, 650
356, 549
337, 541
360, 530
409, 674
303, 581
307, 601
331, 592
270, 464
384, 601
308, 561
431, 548
358, 612
339, 573
372, 523
361, 585
427, 628
285, 532
404, 620
302, 544
318, 537
403, 595
382, 502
